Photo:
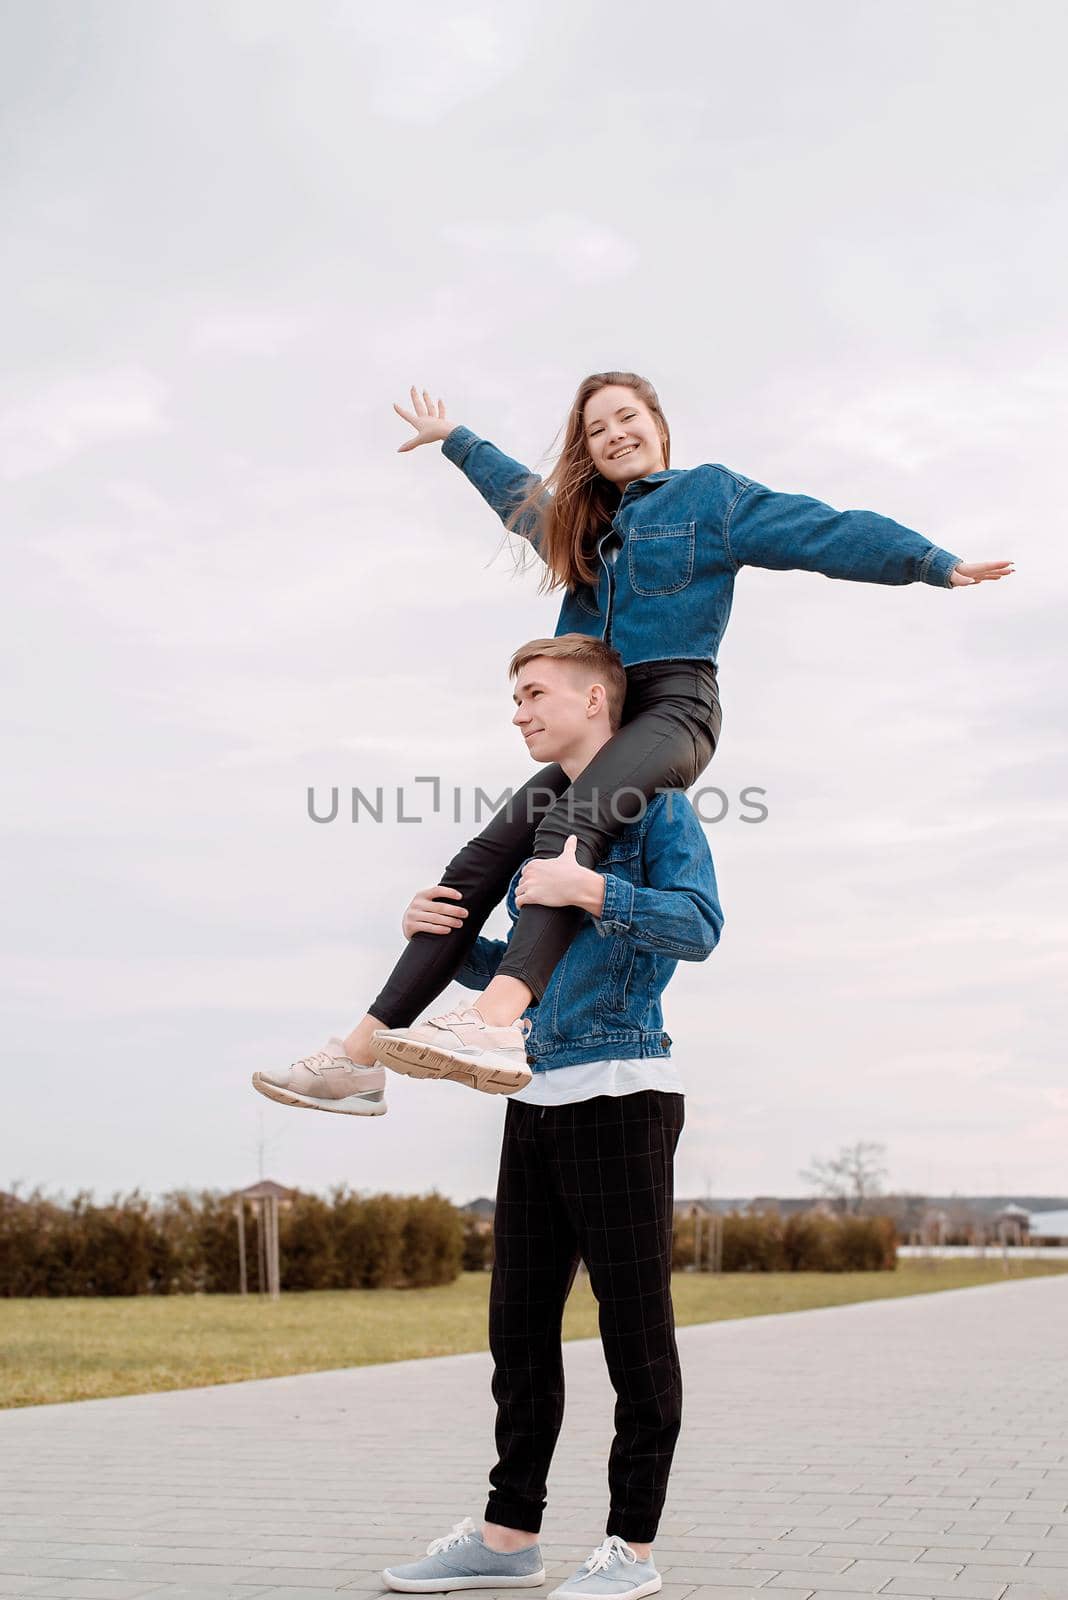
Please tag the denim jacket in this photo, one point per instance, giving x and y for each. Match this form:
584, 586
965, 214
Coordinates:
661, 906
684, 534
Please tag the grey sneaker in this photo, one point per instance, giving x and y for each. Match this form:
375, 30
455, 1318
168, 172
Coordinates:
612, 1572
327, 1081
462, 1046
460, 1560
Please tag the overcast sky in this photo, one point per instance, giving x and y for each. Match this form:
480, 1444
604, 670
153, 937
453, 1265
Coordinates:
833, 236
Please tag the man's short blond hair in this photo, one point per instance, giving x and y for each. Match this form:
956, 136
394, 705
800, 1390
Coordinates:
599, 663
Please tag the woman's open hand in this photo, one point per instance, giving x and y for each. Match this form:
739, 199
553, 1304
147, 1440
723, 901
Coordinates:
428, 914
979, 572
430, 422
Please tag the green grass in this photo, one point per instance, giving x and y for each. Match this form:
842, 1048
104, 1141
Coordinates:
78, 1349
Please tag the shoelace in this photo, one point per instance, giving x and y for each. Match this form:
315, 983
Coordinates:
314, 1063
449, 1018
461, 1531
612, 1546
321, 1062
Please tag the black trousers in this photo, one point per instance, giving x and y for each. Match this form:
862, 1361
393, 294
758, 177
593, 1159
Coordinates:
593, 1180
669, 733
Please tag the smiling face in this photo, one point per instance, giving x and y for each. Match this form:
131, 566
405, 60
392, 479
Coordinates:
622, 435
560, 709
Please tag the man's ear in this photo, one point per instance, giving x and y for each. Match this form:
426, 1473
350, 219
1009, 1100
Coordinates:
596, 696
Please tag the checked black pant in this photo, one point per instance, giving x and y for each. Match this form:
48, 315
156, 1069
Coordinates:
594, 1179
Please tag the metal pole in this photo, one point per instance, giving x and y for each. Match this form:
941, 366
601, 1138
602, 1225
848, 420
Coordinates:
242, 1267
274, 1273
261, 1250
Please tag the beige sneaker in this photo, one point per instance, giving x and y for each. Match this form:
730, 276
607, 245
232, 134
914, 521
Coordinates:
462, 1046
327, 1081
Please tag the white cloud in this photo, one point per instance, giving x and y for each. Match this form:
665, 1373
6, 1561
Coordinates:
425, 61
252, 331
576, 247
940, 412
72, 414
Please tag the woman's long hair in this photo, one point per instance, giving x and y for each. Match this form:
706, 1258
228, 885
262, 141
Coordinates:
574, 505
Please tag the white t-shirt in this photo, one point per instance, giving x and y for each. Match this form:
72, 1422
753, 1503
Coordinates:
562, 1086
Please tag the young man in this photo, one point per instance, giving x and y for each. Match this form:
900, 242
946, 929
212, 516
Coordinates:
586, 1168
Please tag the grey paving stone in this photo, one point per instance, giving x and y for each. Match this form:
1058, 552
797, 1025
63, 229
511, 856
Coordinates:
936, 1541
917, 1584
965, 1556
990, 1574
74, 1588
786, 1561
852, 1450
715, 1583
869, 1552
100, 1589
840, 1594
727, 1593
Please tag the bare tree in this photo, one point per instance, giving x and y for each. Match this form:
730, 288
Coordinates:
852, 1178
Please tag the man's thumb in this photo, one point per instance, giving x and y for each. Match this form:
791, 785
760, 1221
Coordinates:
570, 844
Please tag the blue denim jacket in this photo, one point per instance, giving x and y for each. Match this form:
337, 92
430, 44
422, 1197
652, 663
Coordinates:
683, 536
661, 906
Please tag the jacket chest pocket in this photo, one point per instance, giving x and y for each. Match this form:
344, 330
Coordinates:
660, 559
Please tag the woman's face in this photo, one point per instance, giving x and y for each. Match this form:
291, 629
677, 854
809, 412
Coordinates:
621, 435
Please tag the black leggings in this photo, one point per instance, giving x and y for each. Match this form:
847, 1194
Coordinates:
669, 732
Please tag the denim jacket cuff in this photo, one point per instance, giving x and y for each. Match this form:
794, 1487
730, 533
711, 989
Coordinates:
458, 443
617, 913
937, 567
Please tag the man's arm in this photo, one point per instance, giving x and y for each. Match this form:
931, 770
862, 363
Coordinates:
676, 912
435, 911
500, 481
787, 532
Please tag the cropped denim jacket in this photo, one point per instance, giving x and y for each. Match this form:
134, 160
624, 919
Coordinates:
661, 906
683, 535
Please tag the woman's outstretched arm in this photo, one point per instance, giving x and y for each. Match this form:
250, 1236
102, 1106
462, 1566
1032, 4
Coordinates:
794, 532
502, 482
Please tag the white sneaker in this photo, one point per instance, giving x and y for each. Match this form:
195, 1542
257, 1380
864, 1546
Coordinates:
613, 1572
461, 1560
327, 1081
462, 1046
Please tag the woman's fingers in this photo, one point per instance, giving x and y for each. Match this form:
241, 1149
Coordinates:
424, 418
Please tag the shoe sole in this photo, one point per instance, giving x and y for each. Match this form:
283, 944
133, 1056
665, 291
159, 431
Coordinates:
427, 1061
354, 1105
440, 1585
652, 1587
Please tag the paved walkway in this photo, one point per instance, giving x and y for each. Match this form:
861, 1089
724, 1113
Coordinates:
910, 1447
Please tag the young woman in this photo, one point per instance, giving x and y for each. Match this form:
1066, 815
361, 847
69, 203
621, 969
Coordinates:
647, 557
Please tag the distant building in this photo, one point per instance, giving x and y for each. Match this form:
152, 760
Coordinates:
267, 1189
1048, 1227
1014, 1215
